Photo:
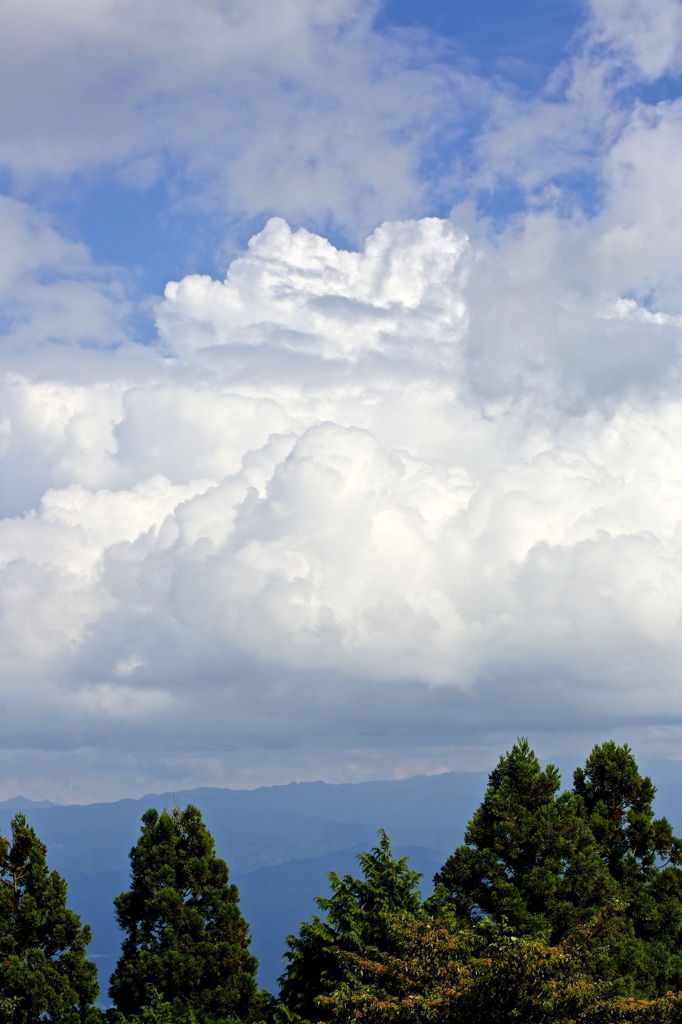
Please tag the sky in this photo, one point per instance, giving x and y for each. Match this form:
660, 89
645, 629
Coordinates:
340, 388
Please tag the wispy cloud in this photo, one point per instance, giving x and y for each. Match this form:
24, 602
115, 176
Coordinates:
296, 108
50, 290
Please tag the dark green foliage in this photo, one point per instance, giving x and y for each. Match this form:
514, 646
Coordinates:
529, 856
156, 1011
643, 857
44, 973
618, 801
185, 950
593, 861
358, 916
559, 908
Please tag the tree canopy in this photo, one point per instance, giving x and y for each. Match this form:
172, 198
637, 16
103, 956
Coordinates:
643, 858
560, 907
529, 856
552, 864
44, 973
476, 975
358, 917
186, 941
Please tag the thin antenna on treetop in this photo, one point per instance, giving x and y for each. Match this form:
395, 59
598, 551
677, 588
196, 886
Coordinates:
173, 807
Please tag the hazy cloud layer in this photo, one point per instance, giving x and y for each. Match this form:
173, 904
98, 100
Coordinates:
352, 513
295, 106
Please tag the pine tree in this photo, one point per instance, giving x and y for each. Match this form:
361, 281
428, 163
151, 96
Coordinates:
186, 941
644, 859
360, 915
591, 865
44, 973
618, 800
529, 856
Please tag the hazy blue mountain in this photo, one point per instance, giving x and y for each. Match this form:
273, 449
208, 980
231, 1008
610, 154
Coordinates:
261, 827
22, 803
279, 841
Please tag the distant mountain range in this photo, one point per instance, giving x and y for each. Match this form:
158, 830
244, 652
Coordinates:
280, 843
20, 803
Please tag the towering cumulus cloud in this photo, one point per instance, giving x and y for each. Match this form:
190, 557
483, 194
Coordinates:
383, 500
378, 492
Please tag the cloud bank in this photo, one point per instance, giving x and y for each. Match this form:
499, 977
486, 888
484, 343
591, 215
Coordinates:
347, 482
352, 513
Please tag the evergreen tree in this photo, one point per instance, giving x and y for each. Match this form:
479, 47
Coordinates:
643, 857
44, 973
186, 942
359, 917
618, 801
528, 855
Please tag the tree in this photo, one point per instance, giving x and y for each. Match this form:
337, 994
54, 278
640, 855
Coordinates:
643, 858
478, 975
44, 973
528, 856
618, 801
186, 942
559, 908
593, 861
482, 975
359, 917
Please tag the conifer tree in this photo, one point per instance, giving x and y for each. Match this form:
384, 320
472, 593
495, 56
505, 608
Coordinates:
592, 866
528, 855
643, 857
359, 915
44, 973
618, 800
186, 941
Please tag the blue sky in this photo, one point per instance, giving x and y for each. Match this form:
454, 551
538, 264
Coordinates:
158, 228
522, 42
340, 429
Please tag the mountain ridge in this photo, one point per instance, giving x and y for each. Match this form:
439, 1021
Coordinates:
280, 842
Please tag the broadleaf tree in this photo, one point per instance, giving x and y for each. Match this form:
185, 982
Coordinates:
186, 942
479, 974
44, 971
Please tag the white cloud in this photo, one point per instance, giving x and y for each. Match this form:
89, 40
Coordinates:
429, 467
297, 106
644, 214
563, 148
648, 33
372, 505
295, 292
